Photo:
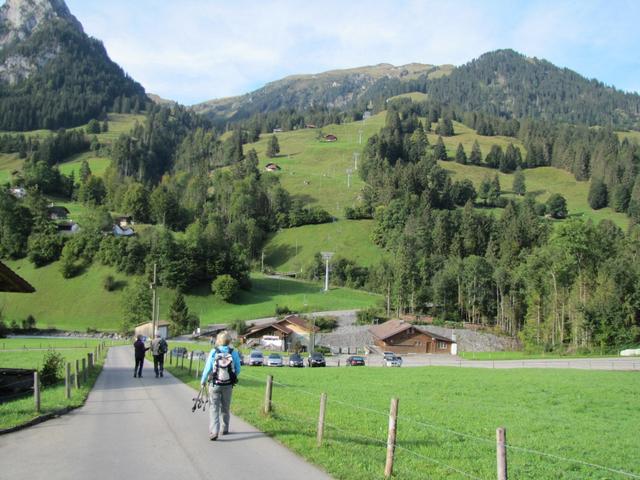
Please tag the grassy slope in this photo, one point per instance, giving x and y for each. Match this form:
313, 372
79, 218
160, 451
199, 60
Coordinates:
82, 302
98, 165
590, 416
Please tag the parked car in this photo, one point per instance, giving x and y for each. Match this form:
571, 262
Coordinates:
355, 360
295, 360
316, 359
179, 352
256, 358
394, 361
388, 355
275, 360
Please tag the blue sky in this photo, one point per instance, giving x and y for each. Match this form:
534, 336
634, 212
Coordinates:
197, 50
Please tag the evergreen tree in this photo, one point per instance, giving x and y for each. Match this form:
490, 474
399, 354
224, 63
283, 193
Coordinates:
439, 150
495, 157
494, 191
178, 315
136, 304
519, 187
461, 156
476, 154
485, 188
634, 202
105, 126
85, 171
598, 196
557, 206
273, 148
620, 198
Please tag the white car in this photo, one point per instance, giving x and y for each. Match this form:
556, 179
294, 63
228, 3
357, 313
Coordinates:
274, 360
394, 361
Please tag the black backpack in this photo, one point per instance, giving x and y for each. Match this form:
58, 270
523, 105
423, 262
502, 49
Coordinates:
224, 371
163, 347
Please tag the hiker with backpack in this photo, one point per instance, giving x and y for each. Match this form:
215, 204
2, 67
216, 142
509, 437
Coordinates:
220, 374
139, 348
159, 348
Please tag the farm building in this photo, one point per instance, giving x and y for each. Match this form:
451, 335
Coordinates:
146, 329
57, 213
272, 167
330, 138
120, 231
68, 227
18, 192
123, 221
401, 337
281, 334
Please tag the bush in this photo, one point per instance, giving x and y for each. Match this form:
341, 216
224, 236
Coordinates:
369, 316
3, 329
109, 283
284, 310
14, 325
326, 324
29, 323
51, 371
225, 287
240, 326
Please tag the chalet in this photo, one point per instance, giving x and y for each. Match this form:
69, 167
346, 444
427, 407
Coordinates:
18, 192
277, 130
281, 333
402, 337
119, 231
330, 138
146, 329
310, 125
272, 167
57, 212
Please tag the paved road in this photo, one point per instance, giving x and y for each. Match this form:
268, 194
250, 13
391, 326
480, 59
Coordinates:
143, 429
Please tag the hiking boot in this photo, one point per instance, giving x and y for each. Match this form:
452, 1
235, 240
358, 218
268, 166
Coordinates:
213, 438
134, 375
225, 432
157, 375
161, 374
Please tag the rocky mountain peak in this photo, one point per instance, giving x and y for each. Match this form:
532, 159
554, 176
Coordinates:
20, 18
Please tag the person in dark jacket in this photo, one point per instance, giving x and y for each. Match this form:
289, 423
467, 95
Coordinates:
139, 351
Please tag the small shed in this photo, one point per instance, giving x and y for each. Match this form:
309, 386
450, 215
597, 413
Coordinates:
57, 212
124, 221
146, 329
120, 231
272, 167
330, 138
18, 192
68, 228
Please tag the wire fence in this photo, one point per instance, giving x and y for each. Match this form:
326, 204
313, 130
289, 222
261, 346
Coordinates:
421, 424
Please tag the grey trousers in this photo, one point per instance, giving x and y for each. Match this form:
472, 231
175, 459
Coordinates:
220, 402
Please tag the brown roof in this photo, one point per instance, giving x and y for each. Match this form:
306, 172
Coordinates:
389, 329
299, 321
435, 336
258, 328
11, 282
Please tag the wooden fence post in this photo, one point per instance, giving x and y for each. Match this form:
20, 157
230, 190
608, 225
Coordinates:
77, 375
190, 361
501, 452
323, 407
171, 358
91, 361
267, 395
391, 438
84, 370
198, 367
36, 391
182, 363
67, 381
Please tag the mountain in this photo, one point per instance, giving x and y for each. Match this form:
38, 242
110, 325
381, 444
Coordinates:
507, 83
52, 74
332, 89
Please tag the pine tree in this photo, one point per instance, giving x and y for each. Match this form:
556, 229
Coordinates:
519, 187
485, 188
85, 171
634, 202
495, 191
439, 150
273, 148
476, 154
461, 156
178, 315
598, 195
557, 206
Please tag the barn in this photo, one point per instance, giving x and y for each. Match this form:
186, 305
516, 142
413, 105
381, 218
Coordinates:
281, 333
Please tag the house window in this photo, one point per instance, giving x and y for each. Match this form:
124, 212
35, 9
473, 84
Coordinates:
442, 345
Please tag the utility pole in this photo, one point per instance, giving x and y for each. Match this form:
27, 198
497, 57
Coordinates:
360, 137
326, 256
355, 160
262, 262
152, 286
349, 177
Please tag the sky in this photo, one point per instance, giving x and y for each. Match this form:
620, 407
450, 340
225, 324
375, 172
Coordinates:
197, 50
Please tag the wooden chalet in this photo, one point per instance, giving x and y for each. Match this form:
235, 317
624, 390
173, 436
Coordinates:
330, 138
272, 167
402, 337
57, 212
288, 329
12, 282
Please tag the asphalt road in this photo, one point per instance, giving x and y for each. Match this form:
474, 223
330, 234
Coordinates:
143, 429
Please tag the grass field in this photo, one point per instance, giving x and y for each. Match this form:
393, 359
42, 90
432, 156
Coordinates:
29, 353
447, 420
8, 163
292, 249
81, 302
523, 355
98, 165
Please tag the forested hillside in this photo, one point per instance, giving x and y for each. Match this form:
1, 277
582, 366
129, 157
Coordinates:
52, 74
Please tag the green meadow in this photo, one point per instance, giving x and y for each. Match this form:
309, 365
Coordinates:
81, 302
98, 165
560, 423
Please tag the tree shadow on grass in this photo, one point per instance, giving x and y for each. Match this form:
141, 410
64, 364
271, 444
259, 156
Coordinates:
277, 255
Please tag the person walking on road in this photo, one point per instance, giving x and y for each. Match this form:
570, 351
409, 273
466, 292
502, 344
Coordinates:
220, 373
158, 350
140, 349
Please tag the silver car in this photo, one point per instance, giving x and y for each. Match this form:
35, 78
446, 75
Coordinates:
394, 361
274, 360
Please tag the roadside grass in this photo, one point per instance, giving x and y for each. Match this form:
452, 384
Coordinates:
515, 355
27, 344
447, 419
293, 249
52, 398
